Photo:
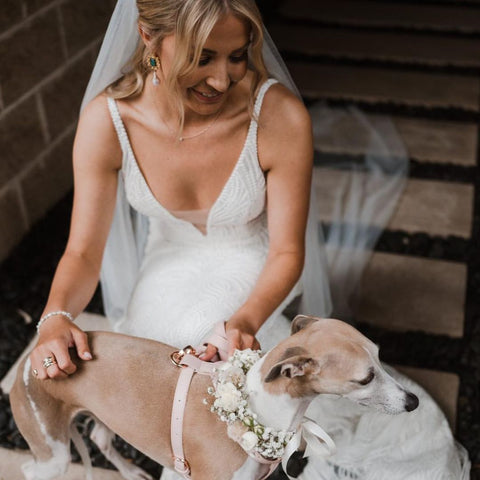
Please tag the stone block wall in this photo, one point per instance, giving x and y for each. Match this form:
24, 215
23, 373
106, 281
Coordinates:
47, 52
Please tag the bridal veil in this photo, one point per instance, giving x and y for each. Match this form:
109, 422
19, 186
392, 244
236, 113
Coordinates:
365, 196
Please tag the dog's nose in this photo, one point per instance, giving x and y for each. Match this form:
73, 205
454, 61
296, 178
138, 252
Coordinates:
411, 402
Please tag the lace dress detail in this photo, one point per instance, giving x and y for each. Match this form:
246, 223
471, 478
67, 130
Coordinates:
189, 280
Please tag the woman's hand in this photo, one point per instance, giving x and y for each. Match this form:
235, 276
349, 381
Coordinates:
57, 335
240, 335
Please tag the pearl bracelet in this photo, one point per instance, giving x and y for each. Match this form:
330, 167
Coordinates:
52, 314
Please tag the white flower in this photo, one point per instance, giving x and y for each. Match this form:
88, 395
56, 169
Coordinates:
228, 397
248, 441
233, 374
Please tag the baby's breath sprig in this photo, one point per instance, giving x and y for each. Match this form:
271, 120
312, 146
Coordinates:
231, 405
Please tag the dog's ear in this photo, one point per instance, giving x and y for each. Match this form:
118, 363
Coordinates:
302, 321
293, 367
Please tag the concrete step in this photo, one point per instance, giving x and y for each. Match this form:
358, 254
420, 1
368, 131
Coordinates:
381, 46
444, 18
425, 140
403, 293
378, 85
435, 207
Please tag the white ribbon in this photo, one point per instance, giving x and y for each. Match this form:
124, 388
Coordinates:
319, 443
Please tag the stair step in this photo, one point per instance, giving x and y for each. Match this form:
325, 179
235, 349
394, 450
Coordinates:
404, 293
425, 140
444, 18
380, 46
377, 85
434, 207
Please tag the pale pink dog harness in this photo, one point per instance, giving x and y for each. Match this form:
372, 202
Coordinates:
190, 364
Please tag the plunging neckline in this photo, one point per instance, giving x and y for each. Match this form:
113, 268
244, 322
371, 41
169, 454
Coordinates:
154, 198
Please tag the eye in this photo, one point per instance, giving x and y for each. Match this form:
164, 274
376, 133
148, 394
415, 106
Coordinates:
204, 61
367, 379
239, 58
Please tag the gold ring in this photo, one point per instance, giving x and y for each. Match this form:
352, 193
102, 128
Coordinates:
35, 372
48, 362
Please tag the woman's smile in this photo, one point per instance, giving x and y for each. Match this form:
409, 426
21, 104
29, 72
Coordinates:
207, 97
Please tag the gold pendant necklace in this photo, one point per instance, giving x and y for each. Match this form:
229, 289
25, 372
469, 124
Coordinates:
181, 139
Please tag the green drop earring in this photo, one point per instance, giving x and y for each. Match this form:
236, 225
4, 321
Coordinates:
154, 63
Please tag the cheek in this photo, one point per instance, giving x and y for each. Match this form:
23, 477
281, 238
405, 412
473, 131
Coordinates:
238, 72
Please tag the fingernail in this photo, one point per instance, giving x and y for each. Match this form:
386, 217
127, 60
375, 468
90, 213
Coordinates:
87, 356
201, 355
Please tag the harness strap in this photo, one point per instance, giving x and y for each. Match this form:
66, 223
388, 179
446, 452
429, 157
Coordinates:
176, 427
218, 337
189, 365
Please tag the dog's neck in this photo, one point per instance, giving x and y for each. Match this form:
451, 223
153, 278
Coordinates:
281, 412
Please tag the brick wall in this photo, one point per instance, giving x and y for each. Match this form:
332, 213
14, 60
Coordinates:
47, 52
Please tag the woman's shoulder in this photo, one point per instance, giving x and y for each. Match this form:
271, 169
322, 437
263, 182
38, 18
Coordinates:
283, 108
96, 115
96, 135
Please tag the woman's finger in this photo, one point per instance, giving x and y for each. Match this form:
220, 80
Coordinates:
64, 362
80, 339
53, 371
209, 353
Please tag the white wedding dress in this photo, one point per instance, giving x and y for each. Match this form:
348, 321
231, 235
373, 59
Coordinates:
197, 273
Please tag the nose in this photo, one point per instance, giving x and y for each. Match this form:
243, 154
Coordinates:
411, 402
219, 79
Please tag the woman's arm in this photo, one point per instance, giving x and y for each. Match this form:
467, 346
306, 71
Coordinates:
96, 161
285, 149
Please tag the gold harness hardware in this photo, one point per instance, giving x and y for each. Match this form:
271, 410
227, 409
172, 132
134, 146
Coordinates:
177, 356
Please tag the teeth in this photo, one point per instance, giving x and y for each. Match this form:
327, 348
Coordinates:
208, 95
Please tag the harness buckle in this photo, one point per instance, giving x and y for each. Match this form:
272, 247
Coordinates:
177, 356
182, 466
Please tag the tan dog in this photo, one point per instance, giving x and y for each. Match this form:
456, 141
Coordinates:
129, 386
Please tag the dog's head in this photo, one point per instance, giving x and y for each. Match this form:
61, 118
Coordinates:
330, 356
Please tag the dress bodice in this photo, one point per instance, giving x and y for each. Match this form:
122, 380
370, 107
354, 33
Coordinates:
239, 210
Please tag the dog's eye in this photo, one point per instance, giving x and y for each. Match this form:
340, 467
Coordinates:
368, 378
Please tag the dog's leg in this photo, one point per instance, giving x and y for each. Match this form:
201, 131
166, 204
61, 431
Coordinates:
47, 435
102, 436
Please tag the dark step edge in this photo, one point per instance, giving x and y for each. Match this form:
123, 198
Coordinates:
388, 28
451, 248
416, 349
418, 169
388, 107
438, 3
386, 63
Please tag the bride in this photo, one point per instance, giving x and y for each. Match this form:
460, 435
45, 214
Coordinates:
192, 188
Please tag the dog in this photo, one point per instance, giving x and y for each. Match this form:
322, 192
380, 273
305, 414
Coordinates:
130, 385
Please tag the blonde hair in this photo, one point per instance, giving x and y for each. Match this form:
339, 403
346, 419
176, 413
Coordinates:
191, 21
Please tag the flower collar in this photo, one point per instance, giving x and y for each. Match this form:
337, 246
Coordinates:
231, 406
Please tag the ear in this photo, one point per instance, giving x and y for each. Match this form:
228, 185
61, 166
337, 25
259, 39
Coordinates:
302, 321
293, 367
146, 37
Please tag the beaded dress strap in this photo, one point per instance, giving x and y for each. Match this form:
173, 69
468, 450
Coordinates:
261, 94
119, 126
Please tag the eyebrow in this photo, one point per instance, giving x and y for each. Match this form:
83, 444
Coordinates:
213, 52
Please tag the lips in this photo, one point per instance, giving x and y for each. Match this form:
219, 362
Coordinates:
207, 97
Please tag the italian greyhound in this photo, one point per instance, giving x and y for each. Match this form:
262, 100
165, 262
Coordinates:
129, 387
